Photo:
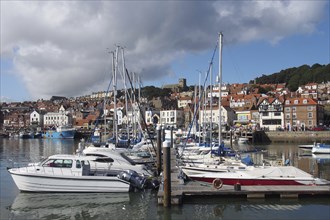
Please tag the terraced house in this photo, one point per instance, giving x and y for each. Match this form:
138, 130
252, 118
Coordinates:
302, 113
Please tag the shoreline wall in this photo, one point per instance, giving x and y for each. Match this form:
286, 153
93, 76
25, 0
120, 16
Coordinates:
291, 136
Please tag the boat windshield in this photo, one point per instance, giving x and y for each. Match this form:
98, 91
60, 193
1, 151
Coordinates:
42, 161
63, 163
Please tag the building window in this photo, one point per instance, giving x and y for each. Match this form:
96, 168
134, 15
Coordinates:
294, 109
272, 122
296, 102
294, 115
287, 109
277, 113
310, 123
310, 108
310, 115
265, 114
305, 101
287, 116
287, 102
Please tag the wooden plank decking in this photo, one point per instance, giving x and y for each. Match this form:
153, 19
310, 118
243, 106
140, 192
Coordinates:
181, 190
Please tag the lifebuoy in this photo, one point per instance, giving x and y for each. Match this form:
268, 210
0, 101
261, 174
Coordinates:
217, 183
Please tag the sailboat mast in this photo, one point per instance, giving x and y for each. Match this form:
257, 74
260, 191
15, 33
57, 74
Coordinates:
211, 105
126, 101
115, 96
134, 106
199, 108
220, 83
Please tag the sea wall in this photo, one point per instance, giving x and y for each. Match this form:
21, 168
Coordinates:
291, 136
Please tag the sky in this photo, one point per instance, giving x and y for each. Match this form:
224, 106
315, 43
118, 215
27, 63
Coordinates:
62, 47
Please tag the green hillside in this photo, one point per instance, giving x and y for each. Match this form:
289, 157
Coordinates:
297, 76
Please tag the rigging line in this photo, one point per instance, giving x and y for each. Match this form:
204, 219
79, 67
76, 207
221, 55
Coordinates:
97, 120
143, 118
200, 97
133, 109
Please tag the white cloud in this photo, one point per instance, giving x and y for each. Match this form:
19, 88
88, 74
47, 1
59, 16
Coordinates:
59, 47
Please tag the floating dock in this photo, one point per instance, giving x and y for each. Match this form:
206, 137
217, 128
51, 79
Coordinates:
180, 190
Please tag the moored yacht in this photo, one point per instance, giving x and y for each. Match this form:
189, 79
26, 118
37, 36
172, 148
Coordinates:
119, 161
260, 175
69, 173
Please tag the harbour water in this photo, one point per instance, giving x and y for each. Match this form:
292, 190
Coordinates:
143, 205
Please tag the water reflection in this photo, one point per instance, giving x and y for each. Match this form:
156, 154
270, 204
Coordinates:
271, 208
68, 205
143, 205
317, 165
33, 150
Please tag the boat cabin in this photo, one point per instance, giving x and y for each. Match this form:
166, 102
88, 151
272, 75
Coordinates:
70, 165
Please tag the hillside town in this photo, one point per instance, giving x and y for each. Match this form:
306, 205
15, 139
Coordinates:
243, 106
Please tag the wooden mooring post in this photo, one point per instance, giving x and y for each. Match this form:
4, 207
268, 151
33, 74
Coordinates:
167, 173
159, 150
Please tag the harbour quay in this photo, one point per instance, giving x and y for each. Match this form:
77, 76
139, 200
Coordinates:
265, 137
298, 136
179, 191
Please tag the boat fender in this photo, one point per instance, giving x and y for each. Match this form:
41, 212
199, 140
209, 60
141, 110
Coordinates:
217, 183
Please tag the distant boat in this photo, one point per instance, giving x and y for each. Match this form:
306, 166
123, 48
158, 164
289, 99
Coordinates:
61, 132
96, 136
321, 148
26, 134
306, 146
38, 135
243, 140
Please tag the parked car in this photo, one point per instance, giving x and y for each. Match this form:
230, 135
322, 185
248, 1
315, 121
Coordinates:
319, 128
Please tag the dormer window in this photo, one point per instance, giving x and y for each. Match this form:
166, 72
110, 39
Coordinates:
296, 101
287, 102
305, 101
277, 107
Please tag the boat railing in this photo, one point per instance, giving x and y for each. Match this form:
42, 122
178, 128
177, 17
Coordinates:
55, 171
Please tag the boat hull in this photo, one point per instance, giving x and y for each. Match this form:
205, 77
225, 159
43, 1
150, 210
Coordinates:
268, 175
59, 135
321, 149
255, 182
39, 183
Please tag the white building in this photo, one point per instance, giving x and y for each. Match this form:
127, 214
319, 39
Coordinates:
132, 116
57, 118
215, 91
212, 115
36, 118
151, 117
172, 118
271, 114
184, 101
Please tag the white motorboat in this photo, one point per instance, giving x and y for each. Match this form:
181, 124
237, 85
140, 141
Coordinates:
67, 173
321, 148
119, 162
